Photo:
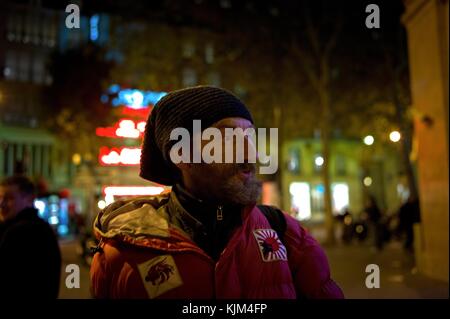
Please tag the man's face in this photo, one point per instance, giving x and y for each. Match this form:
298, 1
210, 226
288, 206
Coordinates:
12, 201
227, 183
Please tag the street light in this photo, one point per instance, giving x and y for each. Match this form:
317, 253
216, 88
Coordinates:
395, 136
319, 161
368, 140
76, 159
367, 181
101, 204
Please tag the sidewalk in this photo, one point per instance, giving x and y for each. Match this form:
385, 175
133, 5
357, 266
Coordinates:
70, 255
398, 276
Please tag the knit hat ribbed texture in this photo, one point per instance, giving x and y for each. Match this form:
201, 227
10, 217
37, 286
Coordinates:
179, 109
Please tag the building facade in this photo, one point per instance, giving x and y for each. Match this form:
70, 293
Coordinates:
427, 26
357, 171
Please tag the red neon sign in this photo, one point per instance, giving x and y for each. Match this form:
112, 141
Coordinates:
125, 128
125, 156
141, 113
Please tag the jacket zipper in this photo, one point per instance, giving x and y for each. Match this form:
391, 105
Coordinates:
219, 213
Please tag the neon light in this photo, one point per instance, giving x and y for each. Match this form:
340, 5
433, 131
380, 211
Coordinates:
133, 98
40, 206
106, 131
141, 126
125, 128
130, 156
141, 113
111, 191
94, 27
115, 88
53, 220
124, 156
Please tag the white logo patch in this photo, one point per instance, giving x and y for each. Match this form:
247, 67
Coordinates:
270, 246
159, 275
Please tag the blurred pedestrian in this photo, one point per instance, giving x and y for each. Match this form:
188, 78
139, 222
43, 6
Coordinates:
374, 217
30, 260
207, 238
409, 214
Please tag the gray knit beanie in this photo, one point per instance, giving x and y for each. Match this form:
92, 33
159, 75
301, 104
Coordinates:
179, 109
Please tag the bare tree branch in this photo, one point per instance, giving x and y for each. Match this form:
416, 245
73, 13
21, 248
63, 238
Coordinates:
307, 65
331, 44
312, 34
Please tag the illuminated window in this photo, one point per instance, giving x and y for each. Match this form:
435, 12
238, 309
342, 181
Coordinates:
317, 199
300, 200
340, 197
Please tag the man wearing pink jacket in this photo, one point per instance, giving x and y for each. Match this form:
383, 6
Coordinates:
207, 237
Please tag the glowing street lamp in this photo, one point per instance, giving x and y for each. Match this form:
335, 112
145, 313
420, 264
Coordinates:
368, 140
319, 161
395, 136
367, 181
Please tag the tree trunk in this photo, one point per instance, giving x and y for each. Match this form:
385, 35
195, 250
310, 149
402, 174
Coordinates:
404, 124
325, 137
405, 149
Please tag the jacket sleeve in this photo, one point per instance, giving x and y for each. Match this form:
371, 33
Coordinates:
309, 264
114, 273
100, 276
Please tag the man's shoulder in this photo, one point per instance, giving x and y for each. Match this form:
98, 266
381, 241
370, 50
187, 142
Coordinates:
155, 201
28, 226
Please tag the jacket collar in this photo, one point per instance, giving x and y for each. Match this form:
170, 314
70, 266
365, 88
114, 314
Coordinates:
200, 220
198, 212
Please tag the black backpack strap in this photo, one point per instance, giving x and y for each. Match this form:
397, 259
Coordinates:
276, 219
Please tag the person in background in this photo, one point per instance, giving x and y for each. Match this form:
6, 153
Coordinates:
374, 216
30, 258
409, 213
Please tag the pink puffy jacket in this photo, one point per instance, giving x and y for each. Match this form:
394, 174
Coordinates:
144, 256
